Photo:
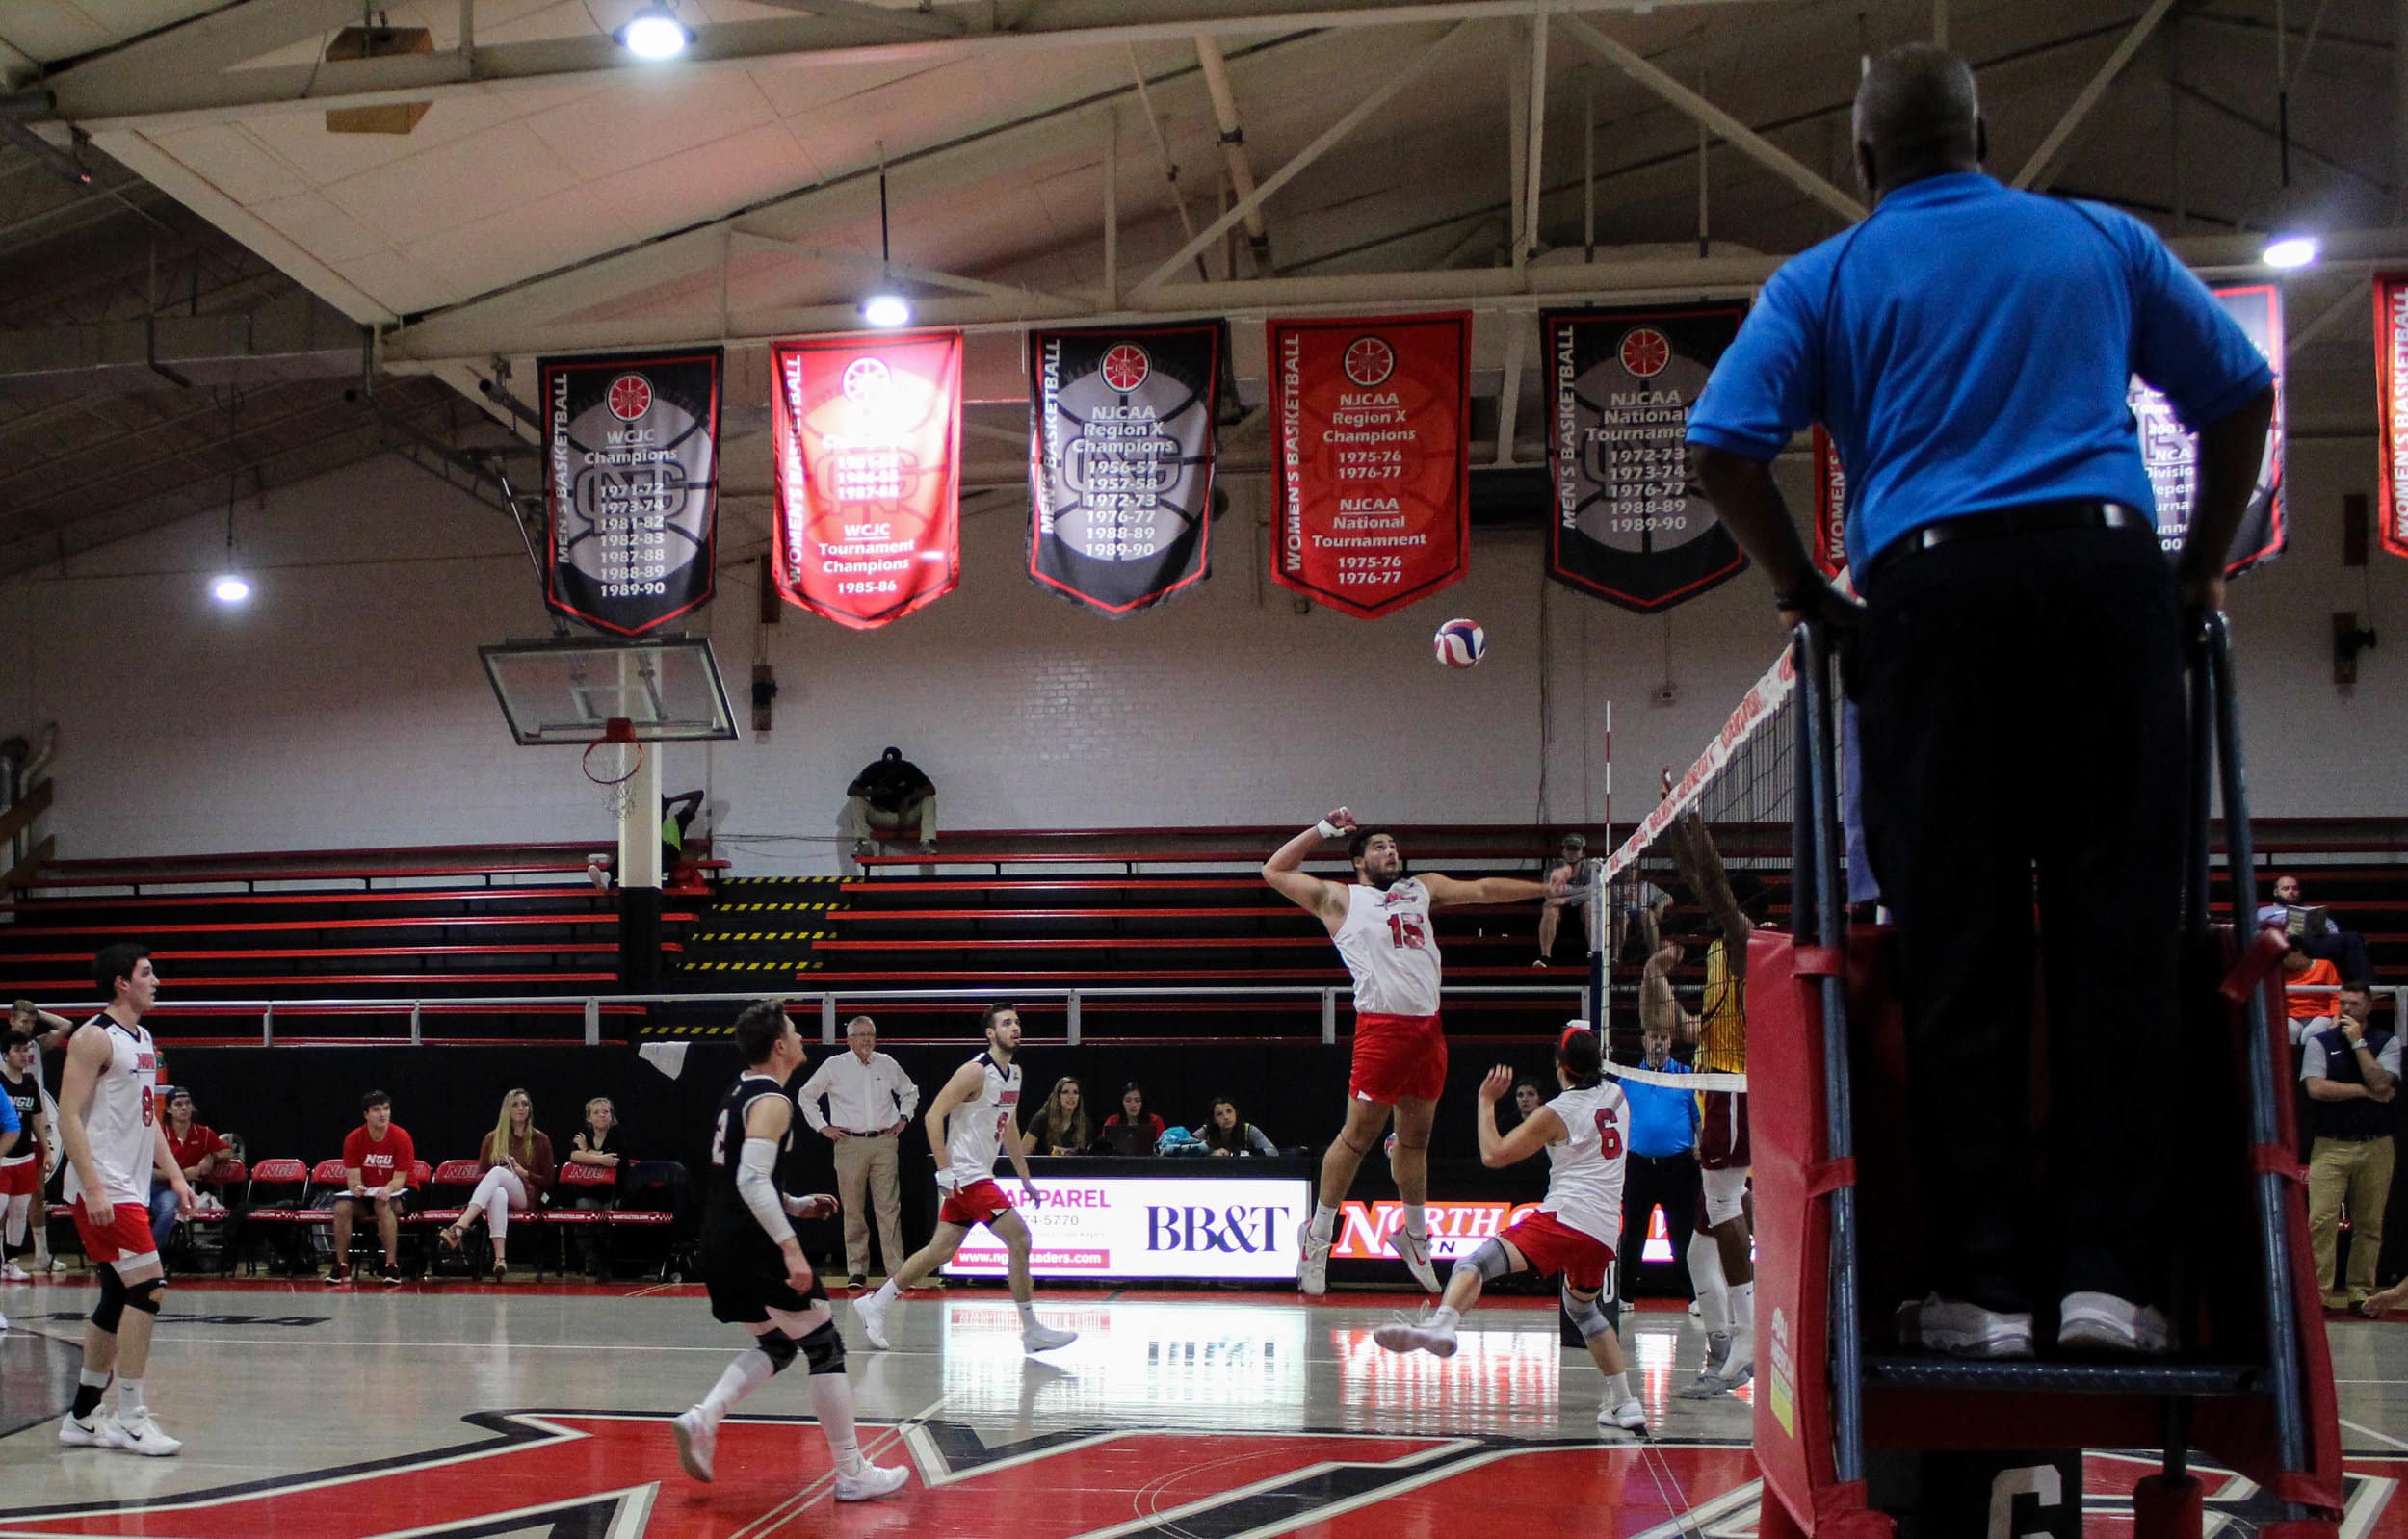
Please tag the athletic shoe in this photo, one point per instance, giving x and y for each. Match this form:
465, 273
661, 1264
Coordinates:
1414, 1250
698, 1437
1628, 1417
856, 1280
874, 1481
1044, 1337
139, 1434
1742, 1364
12, 1272
50, 1264
1413, 1336
2102, 1322
339, 1272
392, 1275
1708, 1382
1314, 1278
870, 1308
1963, 1330
86, 1431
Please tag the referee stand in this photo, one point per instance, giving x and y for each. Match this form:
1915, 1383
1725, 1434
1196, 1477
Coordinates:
1858, 1440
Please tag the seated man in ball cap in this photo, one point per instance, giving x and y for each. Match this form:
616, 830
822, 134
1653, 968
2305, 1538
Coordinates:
890, 794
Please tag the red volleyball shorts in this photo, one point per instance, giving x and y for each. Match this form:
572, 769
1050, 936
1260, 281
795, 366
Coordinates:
1550, 1247
1397, 1057
23, 1179
124, 1235
976, 1203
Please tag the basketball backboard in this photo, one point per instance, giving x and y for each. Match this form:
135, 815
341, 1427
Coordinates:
566, 691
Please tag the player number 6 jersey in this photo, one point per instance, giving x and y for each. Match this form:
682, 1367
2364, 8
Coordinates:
1584, 1170
1390, 945
975, 1132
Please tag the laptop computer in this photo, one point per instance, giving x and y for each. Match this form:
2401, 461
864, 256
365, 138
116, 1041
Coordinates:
1123, 1140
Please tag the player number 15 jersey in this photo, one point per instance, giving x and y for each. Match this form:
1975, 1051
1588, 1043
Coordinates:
1390, 945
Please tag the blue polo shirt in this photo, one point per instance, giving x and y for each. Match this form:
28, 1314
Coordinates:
1663, 1121
1968, 346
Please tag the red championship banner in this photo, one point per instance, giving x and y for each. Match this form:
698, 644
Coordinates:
1372, 423
1830, 507
867, 431
2391, 369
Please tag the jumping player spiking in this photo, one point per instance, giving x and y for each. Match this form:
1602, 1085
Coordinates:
1381, 924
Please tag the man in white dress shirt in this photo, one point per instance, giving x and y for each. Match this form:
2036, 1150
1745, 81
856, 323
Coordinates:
869, 1101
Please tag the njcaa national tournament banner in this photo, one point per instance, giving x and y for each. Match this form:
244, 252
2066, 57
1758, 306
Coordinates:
630, 485
2172, 453
2391, 372
1830, 507
867, 431
1627, 524
1121, 461
1371, 419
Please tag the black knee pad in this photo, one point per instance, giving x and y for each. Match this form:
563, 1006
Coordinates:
778, 1347
825, 1348
144, 1296
112, 1306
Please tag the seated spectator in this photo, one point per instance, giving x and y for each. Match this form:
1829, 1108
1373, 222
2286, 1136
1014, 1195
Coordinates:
2311, 1011
1133, 1114
596, 1144
890, 795
1225, 1133
677, 815
378, 1156
518, 1170
2344, 948
196, 1148
1059, 1126
1568, 858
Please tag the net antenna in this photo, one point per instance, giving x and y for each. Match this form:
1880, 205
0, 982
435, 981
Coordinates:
611, 763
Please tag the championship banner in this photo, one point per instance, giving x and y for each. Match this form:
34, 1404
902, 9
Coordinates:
630, 486
2172, 453
867, 431
1372, 423
1121, 461
1830, 507
1628, 526
2391, 372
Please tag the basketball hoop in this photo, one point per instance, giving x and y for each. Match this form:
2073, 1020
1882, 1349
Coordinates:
612, 761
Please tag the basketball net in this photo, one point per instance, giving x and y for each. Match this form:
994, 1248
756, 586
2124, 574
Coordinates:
612, 761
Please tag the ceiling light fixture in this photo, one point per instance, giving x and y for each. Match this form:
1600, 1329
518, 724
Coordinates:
887, 308
231, 587
2292, 251
654, 32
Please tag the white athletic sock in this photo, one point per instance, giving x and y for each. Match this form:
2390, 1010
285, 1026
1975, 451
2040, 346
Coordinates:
1445, 1318
41, 1243
129, 1396
1028, 1312
887, 1293
1617, 1388
1417, 1221
18, 1207
750, 1370
1705, 1275
1324, 1220
831, 1401
1743, 1306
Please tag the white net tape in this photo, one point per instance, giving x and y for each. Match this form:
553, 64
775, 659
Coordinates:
1678, 1081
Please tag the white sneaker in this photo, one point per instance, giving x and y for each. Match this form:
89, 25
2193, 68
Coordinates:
1628, 1417
139, 1434
2102, 1322
1415, 1253
1313, 1279
86, 1431
1709, 1384
49, 1263
870, 1308
874, 1481
1741, 1365
12, 1272
1045, 1338
1410, 1336
697, 1439
1963, 1330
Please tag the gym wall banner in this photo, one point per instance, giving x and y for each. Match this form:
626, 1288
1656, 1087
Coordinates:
630, 485
2172, 453
2391, 374
867, 433
1627, 525
1151, 1226
1372, 423
1121, 461
1830, 507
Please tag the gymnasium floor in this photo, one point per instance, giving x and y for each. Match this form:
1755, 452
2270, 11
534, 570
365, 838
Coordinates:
465, 1410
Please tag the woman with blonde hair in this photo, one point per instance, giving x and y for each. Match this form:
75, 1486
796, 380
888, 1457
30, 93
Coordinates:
1060, 1125
518, 1169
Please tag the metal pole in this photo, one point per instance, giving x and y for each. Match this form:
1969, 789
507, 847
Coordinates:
1111, 207
1588, 162
1329, 1017
594, 1020
827, 1020
267, 1027
1070, 1017
417, 1037
1705, 225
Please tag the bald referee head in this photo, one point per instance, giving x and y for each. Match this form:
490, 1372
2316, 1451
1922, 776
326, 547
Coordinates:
1917, 114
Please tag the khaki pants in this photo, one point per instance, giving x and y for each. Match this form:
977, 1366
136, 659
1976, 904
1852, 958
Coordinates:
863, 822
2359, 1176
866, 1172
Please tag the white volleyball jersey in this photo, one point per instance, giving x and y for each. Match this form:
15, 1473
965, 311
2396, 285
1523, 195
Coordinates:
1584, 1170
121, 1123
1391, 948
976, 1130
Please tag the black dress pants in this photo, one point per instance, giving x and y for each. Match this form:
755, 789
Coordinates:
2021, 713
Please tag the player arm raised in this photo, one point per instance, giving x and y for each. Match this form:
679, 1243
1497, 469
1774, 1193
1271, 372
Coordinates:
88, 1056
1659, 1010
963, 1085
1326, 901
1538, 1130
1448, 892
765, 1122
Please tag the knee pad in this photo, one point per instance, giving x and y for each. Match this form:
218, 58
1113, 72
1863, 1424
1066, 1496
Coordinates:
144, 1296
824, 1348
778, 1347
1491, 1261
1586, 1317
112, 1306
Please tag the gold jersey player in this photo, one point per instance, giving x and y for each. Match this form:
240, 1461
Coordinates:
1381, 924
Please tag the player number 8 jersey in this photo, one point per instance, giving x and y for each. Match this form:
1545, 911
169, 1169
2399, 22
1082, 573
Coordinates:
975, 1132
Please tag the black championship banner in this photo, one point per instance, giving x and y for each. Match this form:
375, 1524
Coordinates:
1121, 461
1627, 524
2171, 453
631, 486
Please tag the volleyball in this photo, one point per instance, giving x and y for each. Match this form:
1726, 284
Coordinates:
1460, 644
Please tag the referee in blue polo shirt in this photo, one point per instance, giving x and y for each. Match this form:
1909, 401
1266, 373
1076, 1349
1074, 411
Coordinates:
2017, 669
1662, 1168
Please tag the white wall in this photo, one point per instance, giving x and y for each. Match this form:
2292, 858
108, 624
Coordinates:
346, 707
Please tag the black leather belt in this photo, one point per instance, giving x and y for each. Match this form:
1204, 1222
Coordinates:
878, 1133
2030, 518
